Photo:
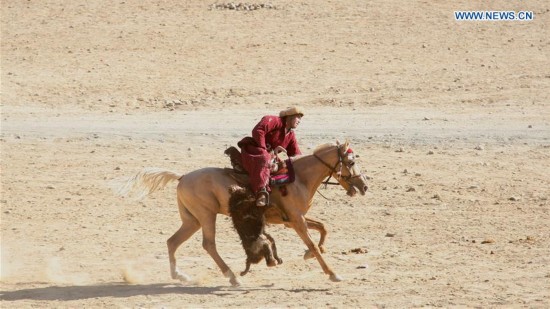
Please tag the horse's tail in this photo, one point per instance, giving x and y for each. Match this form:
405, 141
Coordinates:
144, 183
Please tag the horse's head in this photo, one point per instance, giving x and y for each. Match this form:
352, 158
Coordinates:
345, 169
347, 172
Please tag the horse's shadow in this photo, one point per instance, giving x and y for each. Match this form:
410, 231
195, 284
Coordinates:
120, 290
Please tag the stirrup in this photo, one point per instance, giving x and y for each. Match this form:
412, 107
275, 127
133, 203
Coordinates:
262, 198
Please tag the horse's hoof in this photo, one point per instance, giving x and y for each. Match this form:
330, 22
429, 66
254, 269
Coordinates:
309, 255
279, 261
335, 278
322, 249
235, 282
232, 279
181, 277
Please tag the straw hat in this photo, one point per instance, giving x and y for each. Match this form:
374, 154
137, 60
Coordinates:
291, 112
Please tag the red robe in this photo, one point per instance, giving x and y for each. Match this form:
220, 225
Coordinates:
267, 135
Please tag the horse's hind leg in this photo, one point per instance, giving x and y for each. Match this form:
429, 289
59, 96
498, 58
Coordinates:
209, 244
188, 227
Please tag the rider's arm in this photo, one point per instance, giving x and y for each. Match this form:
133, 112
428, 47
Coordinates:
267, 124
292, 149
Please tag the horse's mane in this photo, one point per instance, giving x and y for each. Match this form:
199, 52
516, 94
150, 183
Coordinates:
316, 150
323, 147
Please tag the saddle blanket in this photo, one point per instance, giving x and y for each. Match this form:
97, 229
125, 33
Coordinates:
284, 178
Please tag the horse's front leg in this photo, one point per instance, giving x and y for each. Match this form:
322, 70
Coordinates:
319, 227
300, 226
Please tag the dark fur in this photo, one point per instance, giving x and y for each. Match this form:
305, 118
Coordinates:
236, 161
249, 221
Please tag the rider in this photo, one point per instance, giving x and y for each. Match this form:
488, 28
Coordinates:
271, 134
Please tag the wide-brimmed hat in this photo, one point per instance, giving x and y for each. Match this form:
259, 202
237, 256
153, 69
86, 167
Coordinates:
291, 112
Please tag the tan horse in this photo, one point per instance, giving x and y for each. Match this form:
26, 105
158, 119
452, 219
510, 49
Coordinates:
203, 194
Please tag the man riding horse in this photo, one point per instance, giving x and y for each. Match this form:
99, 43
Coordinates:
273, 134
199, 205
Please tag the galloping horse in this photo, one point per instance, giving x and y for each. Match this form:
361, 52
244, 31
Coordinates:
203, 194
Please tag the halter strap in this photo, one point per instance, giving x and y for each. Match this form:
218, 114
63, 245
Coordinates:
325, 163
332, 169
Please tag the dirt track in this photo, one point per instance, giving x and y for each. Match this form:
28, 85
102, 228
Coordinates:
451, 121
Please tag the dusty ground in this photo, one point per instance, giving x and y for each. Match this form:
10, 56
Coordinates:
451, 121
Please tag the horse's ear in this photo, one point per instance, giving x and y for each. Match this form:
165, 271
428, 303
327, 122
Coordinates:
337, 143
346, 145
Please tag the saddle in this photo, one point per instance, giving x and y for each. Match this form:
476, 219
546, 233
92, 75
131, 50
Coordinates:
283, 175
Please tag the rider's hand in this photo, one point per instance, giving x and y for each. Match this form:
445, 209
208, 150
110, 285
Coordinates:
279, 149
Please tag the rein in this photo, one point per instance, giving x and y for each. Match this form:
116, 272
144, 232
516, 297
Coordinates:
332, 169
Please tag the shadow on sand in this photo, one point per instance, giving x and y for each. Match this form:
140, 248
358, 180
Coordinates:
66, 293
121, 290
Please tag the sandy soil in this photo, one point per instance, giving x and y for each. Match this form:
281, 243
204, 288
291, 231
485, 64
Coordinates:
451, 121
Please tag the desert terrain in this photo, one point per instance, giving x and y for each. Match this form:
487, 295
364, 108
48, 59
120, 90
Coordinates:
450, 119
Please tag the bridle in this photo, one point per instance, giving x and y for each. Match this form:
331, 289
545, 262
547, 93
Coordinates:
334, 168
